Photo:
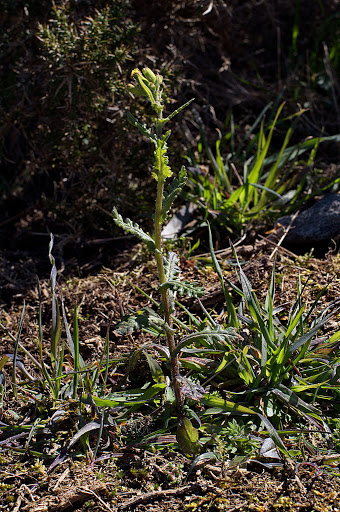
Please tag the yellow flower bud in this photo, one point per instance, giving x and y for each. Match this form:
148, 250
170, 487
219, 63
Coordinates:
150, 75
135, 72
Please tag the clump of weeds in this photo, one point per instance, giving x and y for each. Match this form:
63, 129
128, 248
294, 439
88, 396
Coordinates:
263, 362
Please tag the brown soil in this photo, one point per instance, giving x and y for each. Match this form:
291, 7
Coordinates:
242, 68
137, 479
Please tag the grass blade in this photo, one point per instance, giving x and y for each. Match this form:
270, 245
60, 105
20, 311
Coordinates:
232, 316
15, 353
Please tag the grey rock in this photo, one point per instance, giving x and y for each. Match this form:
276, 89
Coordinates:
178, 221
320, 223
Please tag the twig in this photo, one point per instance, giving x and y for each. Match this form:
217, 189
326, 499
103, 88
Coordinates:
289, 253
89, 491
61, 478
153, 495
278, 244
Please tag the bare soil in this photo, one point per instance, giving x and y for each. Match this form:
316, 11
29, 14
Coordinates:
134, 478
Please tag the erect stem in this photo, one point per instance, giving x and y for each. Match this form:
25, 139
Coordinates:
164, 292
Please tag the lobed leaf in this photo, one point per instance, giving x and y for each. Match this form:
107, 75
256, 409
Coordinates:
173, 190
171, 268
136, 322
134, 229
141, 127
184, 288
161, 168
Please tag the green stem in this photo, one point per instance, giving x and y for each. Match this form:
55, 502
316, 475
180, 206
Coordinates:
165, 296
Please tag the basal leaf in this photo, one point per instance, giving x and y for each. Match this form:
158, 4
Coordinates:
126, 398
156, 370
187, 437
226, 337
220, 405
232, 317
204, 458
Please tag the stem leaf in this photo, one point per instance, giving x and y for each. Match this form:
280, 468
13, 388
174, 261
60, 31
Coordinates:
173, 190
184, 288
141, 127
134, 229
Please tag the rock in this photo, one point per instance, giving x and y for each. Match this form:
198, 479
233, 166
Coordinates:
178, 221
320, 223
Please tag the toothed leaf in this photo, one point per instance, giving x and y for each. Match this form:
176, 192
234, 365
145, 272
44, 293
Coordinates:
173, 190
134, 229
161, 167
141, 127
184, 288
171, 268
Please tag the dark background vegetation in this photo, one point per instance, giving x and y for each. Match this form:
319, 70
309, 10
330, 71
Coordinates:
66, 152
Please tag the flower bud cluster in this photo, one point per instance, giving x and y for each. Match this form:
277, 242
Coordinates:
149, 86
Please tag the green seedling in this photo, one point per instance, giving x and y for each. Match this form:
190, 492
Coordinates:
204, 336
149, 85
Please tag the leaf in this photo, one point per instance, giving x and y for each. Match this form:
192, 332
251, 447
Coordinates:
141, 127
161, 167
184, 288
126, 398
187, 437
295, 403
134, 229
232, 318
293, 152
173, 190
15, 352
171, 268
178, 110
306, 337
137, 321
156, 370
3, 361
190, 389
225, 336
200, 460
64, 452
70, 339
223, 406
132, 323
198, 363
268, 449
86, 428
